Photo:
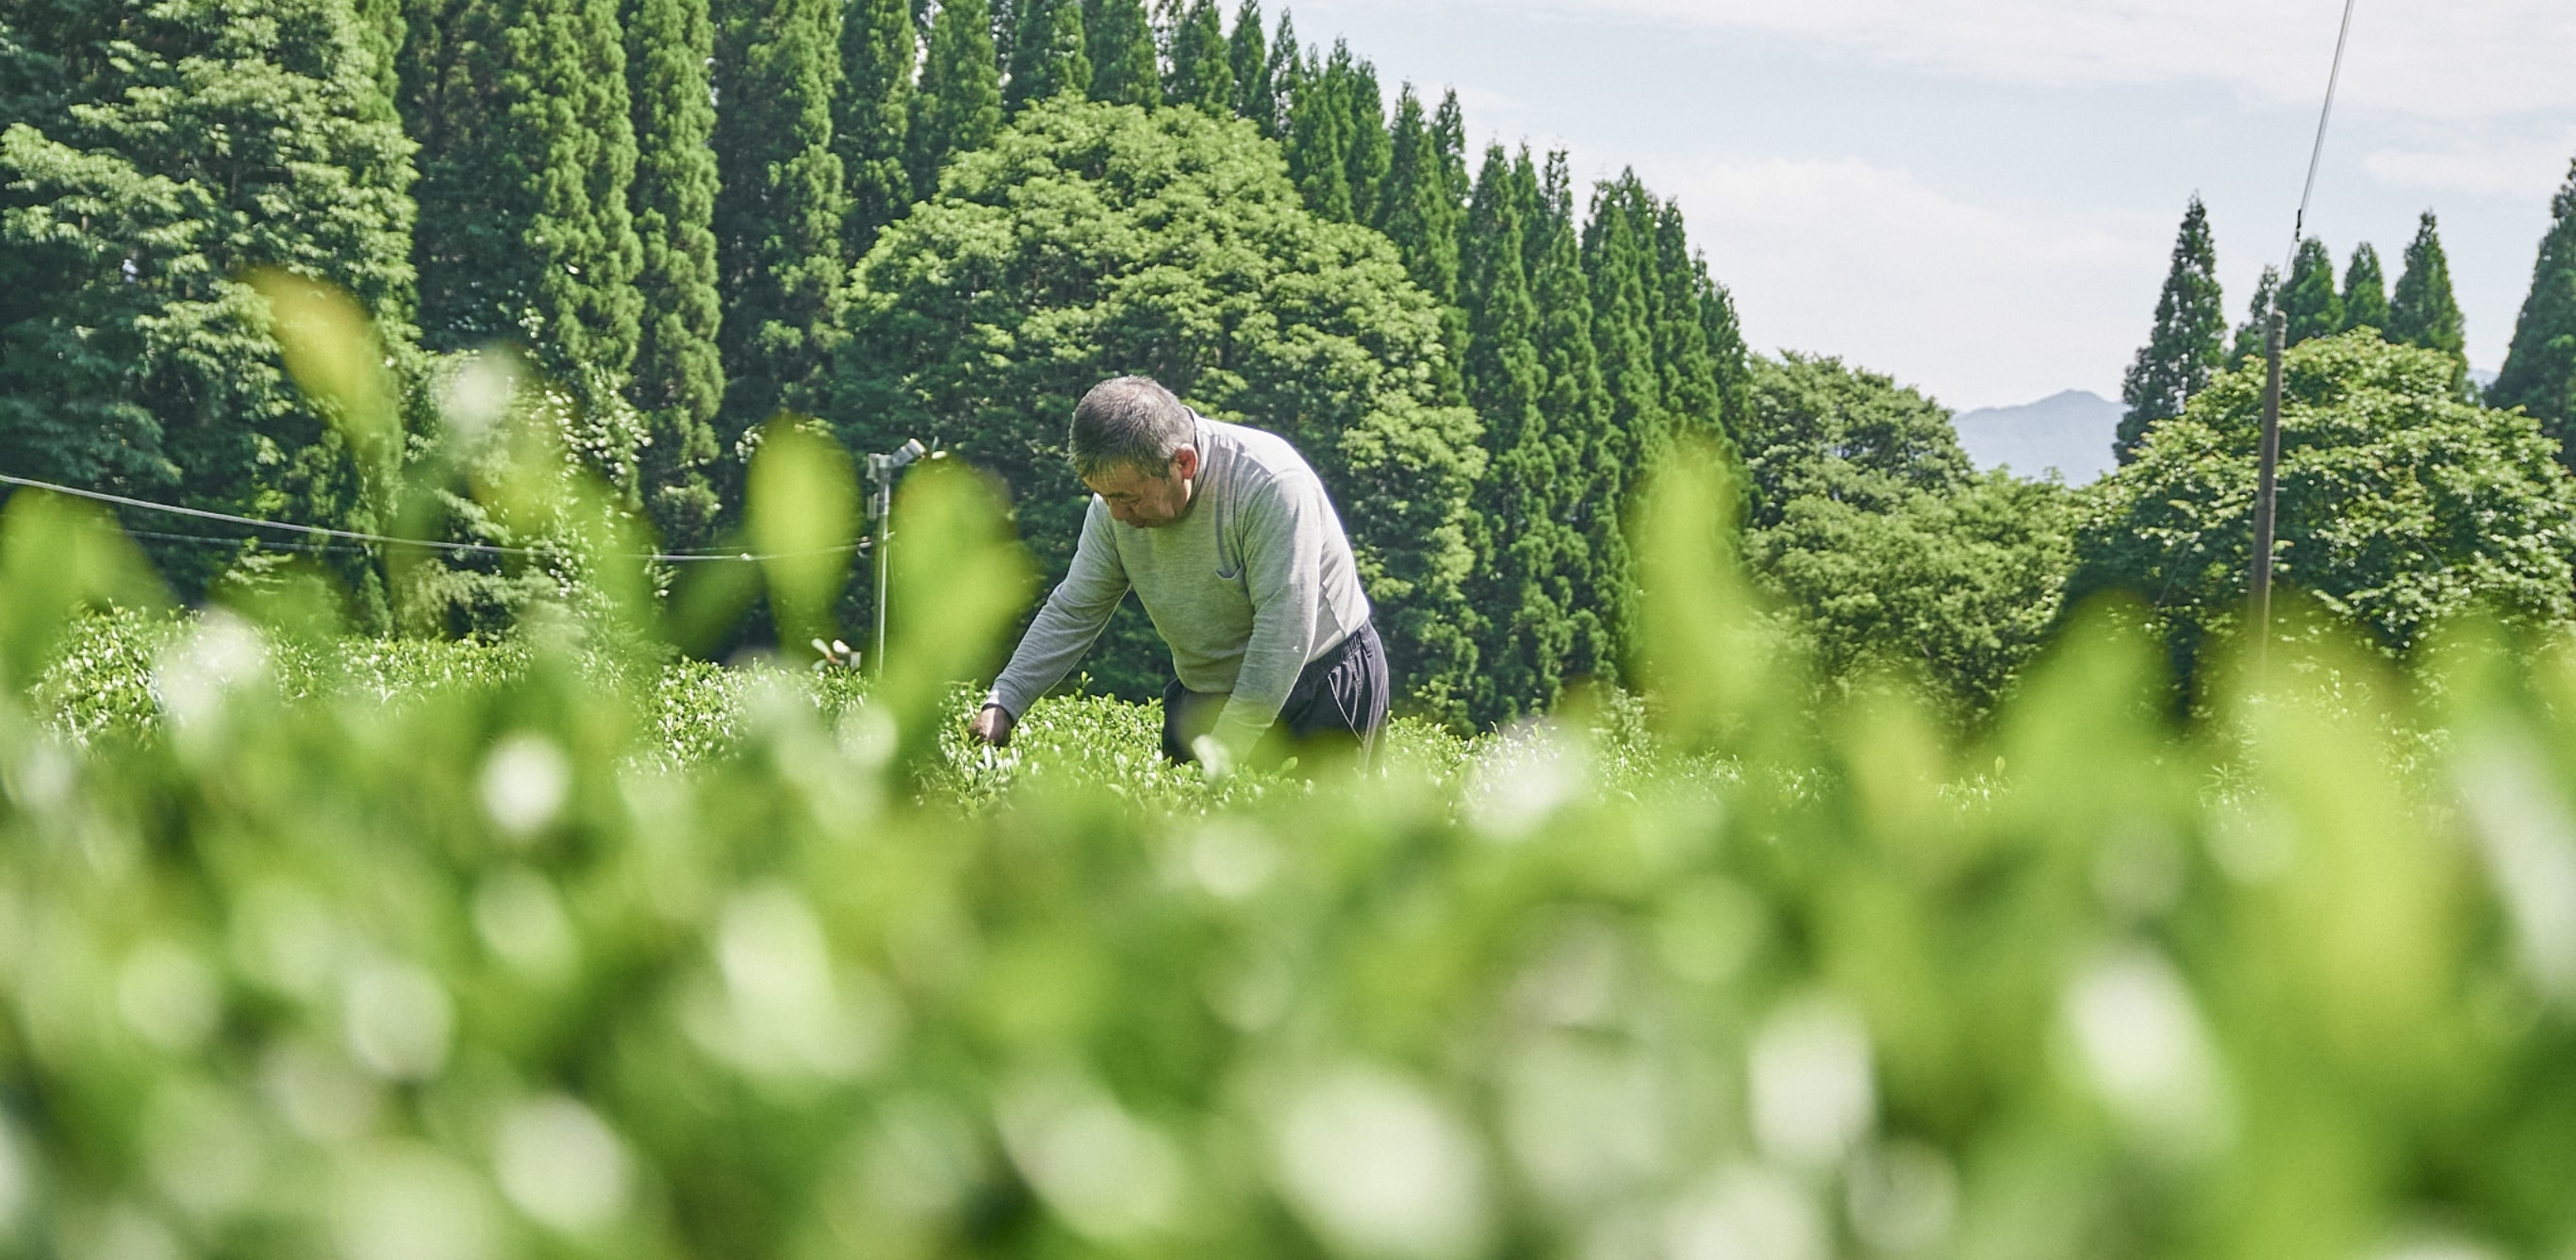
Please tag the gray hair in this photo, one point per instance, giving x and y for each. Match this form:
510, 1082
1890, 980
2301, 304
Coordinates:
1129, 420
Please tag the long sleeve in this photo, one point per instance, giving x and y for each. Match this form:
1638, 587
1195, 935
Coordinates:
1283, 546
1074, 615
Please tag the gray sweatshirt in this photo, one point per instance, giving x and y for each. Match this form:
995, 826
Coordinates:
1250, 584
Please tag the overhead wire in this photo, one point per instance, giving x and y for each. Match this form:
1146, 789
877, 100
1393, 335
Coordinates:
359, 540
2316, 152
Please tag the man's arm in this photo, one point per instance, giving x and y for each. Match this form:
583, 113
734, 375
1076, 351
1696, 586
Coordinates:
1074, 616
1283, 551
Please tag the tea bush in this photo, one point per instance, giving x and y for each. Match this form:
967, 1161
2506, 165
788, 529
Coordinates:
552, 947
536, 948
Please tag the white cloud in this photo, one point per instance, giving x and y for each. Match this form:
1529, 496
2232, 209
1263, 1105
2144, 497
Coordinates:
1978, 304
2454, 60
2487, 166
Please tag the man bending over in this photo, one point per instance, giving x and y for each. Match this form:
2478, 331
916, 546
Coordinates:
1227, 537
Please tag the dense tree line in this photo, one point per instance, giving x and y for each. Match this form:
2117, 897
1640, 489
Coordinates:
2405, 495
946, 219
2189, 343
2401, 503
666, 204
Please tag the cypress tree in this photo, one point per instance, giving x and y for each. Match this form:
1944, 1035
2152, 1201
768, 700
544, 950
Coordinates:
1255, 96
1449, 141
1319, 137
1577, 408
2365, 291
1288, 62
1047, 54
2423, 311
678, 381
1697, 351
959, 105
1420, 211
528, 155
2309, 299
872, 118
1002, 17
1202, 72
1618, 261
1520, 590
1121, 42
1724, 335
1421, 214
2539, 372
2188, 340
2251, 336
1372, 150
778, 212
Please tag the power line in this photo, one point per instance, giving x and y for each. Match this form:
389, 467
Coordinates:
2267, 451
2299, 225
358, 540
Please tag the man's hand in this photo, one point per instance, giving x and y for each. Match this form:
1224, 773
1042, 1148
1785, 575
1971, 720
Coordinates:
993, 725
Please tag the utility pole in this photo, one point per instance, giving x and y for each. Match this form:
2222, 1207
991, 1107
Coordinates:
882, 470
2266, 489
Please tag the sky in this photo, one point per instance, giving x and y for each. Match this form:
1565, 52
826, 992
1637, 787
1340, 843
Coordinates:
1979, 197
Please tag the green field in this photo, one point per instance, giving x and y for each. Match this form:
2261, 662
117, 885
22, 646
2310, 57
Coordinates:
549, 946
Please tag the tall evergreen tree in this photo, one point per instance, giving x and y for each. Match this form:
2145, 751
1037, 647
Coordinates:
1121, 43
2253, 334
527, 157
778, 213
1202, 70
136, 360
2423, 311
2539, 372
678, 379
1521, 592
1048, 56
1372, 150
1698, 351
2365, 291
1619, 263
1319, 135
2189, 339
959, 104
2314, 308
1449, 140
1288, 62
872, 117
1255, 95
1577, 407
1002, 17
1421, 213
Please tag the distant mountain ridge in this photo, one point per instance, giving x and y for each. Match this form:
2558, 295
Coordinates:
2069, 432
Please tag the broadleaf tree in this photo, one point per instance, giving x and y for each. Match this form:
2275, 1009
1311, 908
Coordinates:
2400, 505
1179, 249
136, 359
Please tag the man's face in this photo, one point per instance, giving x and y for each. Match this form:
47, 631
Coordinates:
1138, 498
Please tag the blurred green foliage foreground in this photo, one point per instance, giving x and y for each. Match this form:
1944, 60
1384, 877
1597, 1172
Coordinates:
312, 947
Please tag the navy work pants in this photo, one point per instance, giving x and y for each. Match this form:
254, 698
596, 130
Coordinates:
1340, 697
